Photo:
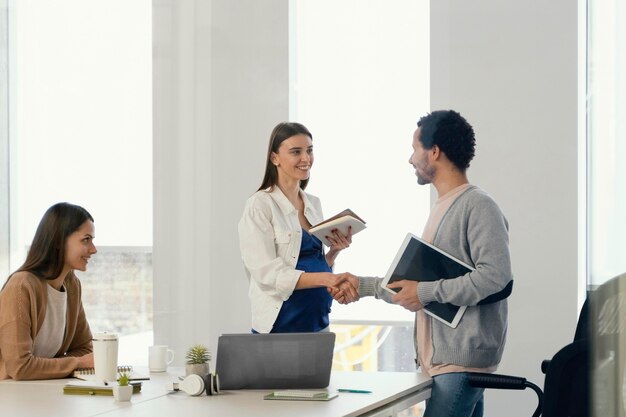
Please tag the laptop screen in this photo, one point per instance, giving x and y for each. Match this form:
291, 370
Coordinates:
275, 361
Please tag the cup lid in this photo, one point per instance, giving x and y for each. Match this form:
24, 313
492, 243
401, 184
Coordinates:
105, 336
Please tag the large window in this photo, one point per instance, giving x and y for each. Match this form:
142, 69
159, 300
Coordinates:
606, 197
359, 82
81, 131
606, 146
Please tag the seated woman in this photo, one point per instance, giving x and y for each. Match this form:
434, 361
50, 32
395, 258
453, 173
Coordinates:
288, 269
44, 333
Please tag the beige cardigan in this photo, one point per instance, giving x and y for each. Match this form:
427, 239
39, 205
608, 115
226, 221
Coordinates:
23, 304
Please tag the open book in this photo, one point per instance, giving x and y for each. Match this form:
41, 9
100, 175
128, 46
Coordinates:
341, 222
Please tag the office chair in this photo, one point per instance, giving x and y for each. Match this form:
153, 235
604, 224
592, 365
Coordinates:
597, 354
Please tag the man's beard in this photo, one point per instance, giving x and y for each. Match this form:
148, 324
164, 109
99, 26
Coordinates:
426, 177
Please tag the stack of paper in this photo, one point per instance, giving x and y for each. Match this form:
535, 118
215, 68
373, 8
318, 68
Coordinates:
300, 395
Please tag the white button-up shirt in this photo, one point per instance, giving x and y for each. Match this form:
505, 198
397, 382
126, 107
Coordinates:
270, 236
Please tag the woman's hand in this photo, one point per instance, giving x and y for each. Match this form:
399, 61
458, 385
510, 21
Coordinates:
345, 289
339, 242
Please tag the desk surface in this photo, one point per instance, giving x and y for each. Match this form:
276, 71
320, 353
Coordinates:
37, 398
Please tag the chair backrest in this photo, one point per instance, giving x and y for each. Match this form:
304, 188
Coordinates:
567, 382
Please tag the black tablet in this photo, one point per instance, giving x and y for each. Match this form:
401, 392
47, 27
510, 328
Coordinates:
418, 260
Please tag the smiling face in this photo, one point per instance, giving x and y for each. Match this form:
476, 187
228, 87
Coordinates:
294, 158
79, 247
420, 159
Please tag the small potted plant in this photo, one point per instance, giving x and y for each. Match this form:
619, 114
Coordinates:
123, 391
198, 357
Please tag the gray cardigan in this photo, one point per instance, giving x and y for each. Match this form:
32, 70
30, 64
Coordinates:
475, 231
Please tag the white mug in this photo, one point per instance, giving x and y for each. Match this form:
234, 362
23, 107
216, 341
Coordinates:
105, 356
159, 357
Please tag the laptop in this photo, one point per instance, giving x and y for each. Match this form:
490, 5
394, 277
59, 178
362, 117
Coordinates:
274, 360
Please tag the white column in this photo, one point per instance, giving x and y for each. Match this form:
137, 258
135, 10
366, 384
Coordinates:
220, 84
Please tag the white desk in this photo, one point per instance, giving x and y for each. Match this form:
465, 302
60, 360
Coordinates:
46, 398
391, 392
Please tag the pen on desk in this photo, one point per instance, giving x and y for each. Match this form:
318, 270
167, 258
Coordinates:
355, 391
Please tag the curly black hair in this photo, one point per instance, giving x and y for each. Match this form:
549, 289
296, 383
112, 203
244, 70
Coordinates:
451, 133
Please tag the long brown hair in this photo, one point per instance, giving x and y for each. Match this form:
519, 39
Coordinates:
46, 256
281, 132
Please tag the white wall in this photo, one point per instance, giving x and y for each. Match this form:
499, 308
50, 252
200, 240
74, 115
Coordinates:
220, 85
4, 139
510, 68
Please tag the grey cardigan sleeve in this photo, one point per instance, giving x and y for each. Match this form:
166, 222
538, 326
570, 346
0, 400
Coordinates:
370, 287
475, 231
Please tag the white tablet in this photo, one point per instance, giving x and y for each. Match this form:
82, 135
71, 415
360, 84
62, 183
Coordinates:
418, 260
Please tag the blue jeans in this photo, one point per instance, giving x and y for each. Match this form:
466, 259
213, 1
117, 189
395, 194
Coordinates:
452, 396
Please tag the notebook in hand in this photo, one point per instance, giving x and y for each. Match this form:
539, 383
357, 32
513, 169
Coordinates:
89, 374
418, 260
275, 360
341, 222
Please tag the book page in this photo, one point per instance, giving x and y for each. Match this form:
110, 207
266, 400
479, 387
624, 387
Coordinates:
346, 212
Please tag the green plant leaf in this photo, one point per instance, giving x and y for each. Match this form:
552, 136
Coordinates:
198, 354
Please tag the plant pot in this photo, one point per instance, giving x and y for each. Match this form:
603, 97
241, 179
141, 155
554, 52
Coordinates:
122, 393
200, 369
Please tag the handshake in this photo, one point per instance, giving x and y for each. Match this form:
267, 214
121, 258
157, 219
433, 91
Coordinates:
344, 287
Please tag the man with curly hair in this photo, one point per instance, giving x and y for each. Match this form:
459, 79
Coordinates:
466, 223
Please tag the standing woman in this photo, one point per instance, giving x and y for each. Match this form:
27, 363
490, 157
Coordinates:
43, 329
288, 270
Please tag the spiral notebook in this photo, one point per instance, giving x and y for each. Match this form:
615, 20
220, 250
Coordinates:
89, 374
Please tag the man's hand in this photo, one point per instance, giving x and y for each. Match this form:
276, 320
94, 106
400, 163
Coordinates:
407, 296
346, 290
